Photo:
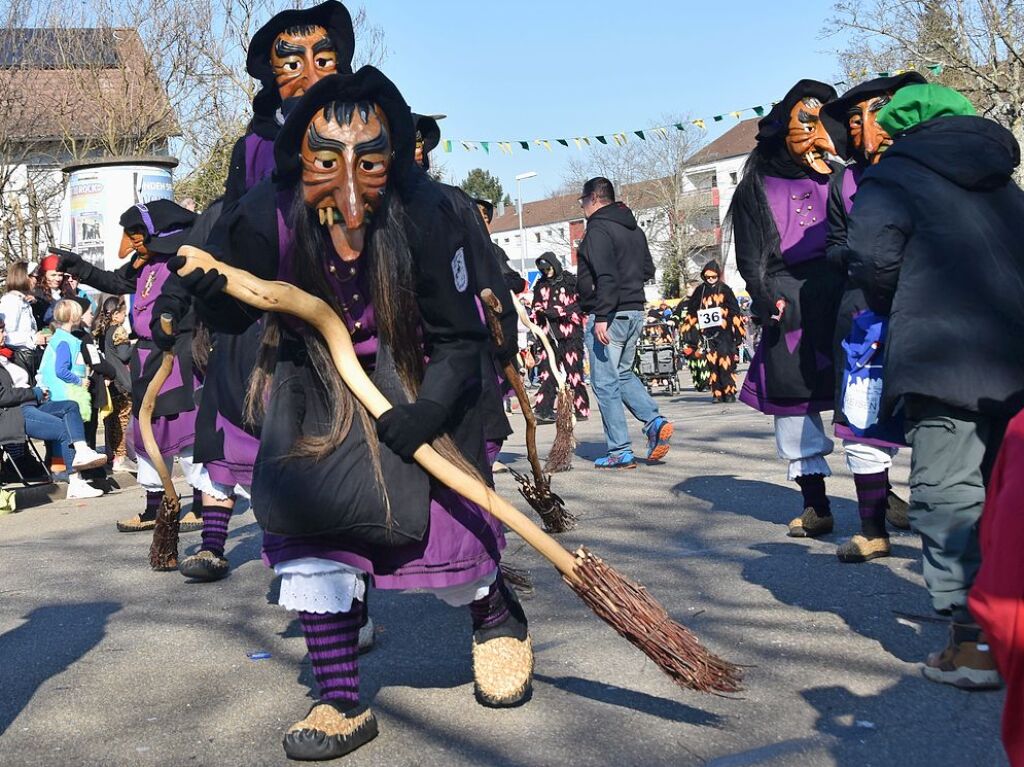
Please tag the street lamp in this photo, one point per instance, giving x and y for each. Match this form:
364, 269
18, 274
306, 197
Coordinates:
522, 235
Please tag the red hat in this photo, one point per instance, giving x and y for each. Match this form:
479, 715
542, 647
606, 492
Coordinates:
50, 263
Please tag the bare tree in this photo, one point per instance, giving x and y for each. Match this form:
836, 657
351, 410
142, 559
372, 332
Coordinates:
648, 177
978, 44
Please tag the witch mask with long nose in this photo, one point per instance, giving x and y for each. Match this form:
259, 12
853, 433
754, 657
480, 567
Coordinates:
346, 156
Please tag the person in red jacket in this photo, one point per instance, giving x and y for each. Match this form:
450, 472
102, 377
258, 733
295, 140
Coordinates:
997, 598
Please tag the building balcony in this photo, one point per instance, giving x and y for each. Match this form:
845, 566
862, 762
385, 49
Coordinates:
701, 199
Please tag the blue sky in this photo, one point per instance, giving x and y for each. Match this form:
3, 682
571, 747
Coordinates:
509, 71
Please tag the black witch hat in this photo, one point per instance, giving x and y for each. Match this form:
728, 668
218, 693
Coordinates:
488, 207
773, 126
331, 15
368, 85
429, 132
165, 224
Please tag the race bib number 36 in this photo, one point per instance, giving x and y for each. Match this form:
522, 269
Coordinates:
710, 318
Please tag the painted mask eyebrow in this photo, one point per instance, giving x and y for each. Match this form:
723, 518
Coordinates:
284, 48
318, 143
379, 144
806, 117
877, 104
323, 44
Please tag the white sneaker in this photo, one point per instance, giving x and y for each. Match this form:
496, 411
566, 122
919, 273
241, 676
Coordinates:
125, 464
79, 488
87, 458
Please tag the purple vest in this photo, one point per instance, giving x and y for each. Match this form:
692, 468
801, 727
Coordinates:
259, 159
147, 289
799, 207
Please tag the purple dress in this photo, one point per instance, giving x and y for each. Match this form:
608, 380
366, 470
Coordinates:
173, 433
462, 542
792, 371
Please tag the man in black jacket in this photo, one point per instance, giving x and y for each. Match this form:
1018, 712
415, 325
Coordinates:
936, 240
614, 264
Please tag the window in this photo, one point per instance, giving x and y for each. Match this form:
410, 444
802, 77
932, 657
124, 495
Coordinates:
537, 235
734, 178
561, 231
506, 240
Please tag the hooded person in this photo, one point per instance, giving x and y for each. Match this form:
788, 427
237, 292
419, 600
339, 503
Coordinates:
869, 453
354, 221
153, 232
556, 307
489, 271
936, 242
289, 54
779, 226
714, 324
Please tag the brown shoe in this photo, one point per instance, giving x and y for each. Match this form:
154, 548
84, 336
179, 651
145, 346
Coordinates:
135, 524
861, 549
190, 522
810, 524
329, 731
896, 512
965, 662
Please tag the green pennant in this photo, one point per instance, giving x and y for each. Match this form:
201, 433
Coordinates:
602, 139
640, 133
525, 145
487, 146
759, 111
935, 69
563, 142
447, 145
883, 74
718, 118
679, 126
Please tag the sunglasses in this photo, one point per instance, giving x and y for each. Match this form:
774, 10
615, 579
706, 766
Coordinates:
582, 200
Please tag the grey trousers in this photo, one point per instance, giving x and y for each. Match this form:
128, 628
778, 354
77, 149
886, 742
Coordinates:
952, 453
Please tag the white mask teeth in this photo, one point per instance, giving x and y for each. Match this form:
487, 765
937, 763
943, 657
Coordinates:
328, 215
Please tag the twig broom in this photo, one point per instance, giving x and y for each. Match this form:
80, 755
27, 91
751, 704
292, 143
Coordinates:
625, 606
549, 506
163, 552
560, 456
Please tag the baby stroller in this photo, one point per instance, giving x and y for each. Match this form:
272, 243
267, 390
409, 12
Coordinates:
657, 361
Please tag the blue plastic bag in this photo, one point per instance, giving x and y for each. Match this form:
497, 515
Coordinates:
863, 380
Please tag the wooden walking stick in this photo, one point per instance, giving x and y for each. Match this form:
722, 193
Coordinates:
560, 455
549, 506
625, 606
163, 552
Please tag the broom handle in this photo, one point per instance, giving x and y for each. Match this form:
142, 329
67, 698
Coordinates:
287, 299
146, 412
493, 308
533, 327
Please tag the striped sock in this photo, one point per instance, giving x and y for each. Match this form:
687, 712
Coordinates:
492, 609
812, 486
215, 528
333, 644
872, 499
153, 500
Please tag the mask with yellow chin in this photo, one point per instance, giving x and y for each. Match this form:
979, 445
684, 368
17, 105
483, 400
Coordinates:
346, 157
807, 140
300, 57
866, 135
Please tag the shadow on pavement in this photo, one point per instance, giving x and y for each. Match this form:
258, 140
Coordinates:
53, 638
663, 708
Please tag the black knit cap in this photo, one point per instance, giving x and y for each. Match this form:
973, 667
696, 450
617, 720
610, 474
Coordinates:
331, 15
837, 109
773, 126
164, 223
367, 85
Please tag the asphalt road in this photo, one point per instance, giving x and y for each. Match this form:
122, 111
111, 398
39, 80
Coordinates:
103, 662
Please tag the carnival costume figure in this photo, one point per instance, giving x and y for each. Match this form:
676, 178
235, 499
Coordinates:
868, 456
153, 232
778, 216
556, 306
713, 326
349, 218
287, 55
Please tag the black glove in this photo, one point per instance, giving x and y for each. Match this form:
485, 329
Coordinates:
163, 340
69, 260
404, 428
204, 285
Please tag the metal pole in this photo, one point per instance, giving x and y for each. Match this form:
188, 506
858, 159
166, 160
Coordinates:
522, 234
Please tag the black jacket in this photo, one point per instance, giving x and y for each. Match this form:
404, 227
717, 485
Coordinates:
936, 240
614, 263
12, 421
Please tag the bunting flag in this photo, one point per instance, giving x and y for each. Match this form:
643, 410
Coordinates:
621, 138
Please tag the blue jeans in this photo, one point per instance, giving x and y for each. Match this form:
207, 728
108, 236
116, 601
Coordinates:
59, 423
613, 380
